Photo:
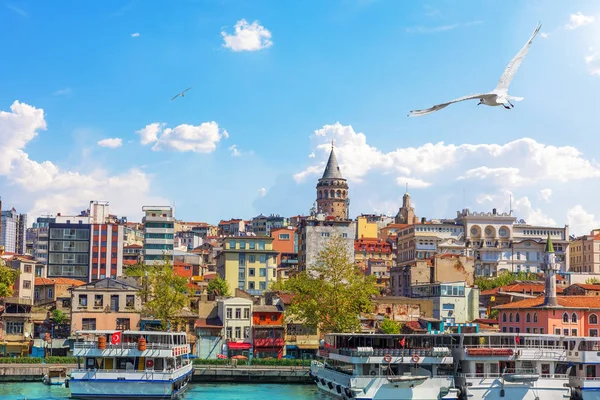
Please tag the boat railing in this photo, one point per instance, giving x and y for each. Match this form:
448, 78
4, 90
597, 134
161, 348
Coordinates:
513, 346
436, 352
92, 345
501, 375
586, 378
525, 371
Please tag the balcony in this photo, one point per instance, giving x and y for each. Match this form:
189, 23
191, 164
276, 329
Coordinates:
269, 342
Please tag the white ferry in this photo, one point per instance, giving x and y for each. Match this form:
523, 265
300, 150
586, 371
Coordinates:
130, 365
512, 366
584, 355
386, 367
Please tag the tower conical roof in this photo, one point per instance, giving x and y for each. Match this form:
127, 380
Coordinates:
549, 245
332, 170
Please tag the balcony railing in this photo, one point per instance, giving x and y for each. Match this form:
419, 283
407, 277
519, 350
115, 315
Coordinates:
438, 352
123, 346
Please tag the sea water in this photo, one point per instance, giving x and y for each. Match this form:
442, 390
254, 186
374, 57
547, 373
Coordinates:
39, 391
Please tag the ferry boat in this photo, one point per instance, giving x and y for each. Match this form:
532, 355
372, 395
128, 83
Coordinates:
584, 355
386, 367
499, 366
130, 364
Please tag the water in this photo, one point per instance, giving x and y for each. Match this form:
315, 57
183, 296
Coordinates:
39, 391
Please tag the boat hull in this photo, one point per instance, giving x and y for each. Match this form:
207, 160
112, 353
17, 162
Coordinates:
495, 389
102, 386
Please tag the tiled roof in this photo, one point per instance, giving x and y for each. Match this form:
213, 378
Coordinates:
209, 323
578, 302
271, 309
59, 281
133, 246
516, 288
486, 321
287, 298
129, 262
587, 286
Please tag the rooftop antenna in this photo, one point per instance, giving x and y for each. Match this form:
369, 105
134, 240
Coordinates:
510, 210
464, 198
406, 187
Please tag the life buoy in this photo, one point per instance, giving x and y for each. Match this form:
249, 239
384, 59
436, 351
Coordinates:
149, 363
415, 358
373, 373
387, 358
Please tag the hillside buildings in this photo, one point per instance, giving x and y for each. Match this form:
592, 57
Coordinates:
159, 232
584, 253
13, 229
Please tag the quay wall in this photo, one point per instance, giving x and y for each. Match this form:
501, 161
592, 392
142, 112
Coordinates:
202, 373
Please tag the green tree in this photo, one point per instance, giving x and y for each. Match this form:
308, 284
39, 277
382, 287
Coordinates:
592, 281
494, 314
59, 317
218, 287
503, 279
163, 292
8, 277
389, 326
333, 293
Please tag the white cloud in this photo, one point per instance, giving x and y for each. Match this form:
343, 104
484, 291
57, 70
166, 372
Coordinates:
578, 20
235, 152
17, 10
544, 35
149, 134
412, 182
201, 138
225, 134
247, 37
580, 221
62, 92
262, 192
137, 34
545, 195
44, 188
593, 62
514, 164
113, 143
312, 155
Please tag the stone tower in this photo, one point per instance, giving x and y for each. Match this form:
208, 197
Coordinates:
406, 213
332, 190
550, 267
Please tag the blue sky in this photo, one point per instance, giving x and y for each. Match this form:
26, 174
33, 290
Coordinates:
346, 69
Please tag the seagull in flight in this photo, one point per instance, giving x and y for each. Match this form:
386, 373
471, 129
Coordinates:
497, 97
182, 94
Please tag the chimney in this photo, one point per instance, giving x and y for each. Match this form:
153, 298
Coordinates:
423, 219
494, 211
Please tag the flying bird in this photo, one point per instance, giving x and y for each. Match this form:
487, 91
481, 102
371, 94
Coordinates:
497, 97
182, 94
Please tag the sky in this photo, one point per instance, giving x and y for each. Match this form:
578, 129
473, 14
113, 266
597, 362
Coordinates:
85, 110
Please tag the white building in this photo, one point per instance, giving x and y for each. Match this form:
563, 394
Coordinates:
236, 314
159, 230
8, 231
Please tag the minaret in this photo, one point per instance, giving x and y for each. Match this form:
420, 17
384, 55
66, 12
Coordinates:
332, 190
550, 267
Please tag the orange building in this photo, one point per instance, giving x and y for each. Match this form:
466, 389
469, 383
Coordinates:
268, 331
183, 269
285, 242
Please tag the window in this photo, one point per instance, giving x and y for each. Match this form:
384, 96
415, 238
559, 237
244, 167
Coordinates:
510, 317
517, 317
535, 319
503, 317
263, 272
593, 333
263, 258
88, 324
251, 272
228, 330
262, 285
528, 330
284, 236
557, 331
238, 332
324, 234
273, 317
51, 293
27, 268
238, 313
252, 246
36, 293
14, 328
229, 313
246, 313
98, 300
26, 284
262, 317
573, 332
130, 301
527, 317
261, 245
251, 286
123, 324
566, 332
542, 331
593, 319
242, 245
565, 318
251, 258
574, 318
83, 300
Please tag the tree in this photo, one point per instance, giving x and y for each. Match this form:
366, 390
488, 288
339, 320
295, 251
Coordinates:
389, 326
8, 277
592, 281
59, 317
218, 287
333, 294
163, 292
503, 279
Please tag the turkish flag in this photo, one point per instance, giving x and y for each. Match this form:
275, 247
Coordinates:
115, 338
517, 340
403, 342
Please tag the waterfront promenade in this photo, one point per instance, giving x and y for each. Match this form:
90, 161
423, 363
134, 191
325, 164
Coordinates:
202, 373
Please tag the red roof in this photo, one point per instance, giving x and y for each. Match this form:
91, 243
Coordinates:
129, 262
59, 281
587, 286
572, 302
133, 246
287, 298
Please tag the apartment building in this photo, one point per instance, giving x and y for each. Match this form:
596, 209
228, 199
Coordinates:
159, 232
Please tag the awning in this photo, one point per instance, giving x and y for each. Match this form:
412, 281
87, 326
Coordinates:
291, 347
309, 346
239, 346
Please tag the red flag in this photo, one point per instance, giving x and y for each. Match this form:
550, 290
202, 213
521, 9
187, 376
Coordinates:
403, 342
517, 340
115, 338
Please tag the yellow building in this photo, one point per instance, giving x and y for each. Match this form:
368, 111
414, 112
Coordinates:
584, 253
248, 263
366, 228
